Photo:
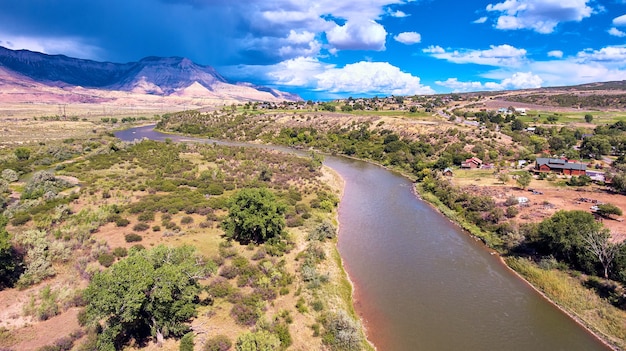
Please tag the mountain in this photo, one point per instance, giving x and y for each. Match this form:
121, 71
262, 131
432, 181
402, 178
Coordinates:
152, 75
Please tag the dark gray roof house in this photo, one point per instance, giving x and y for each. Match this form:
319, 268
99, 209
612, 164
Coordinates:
560, 165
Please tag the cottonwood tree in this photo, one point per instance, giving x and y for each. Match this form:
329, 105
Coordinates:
255, 216
598, 243
562, 236
148, 293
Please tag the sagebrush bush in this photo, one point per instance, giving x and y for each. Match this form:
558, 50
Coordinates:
141, 226
218, 342
120, 252
106, 259
132, 237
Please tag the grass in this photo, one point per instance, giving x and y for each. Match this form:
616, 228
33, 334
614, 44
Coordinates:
568, 292
599, 117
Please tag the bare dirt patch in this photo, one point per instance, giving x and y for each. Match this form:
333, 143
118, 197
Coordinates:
548, 198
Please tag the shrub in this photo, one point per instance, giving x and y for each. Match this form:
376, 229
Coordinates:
229, 272
186, 342
132, 237
324, 230
120, 252
186, 220
106, 259
259, 255
21, 218
156, 228
301, 306
511, 212
511, 201
141, 226
119, 220
220, 288
10, 175
244, 314
261, 340
343, 332
218, 343
146, 216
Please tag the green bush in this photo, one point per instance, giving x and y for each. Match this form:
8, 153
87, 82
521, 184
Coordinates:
257, 341
120, 252
186, 220
218, 343
132, 237
146, 216
186, 342
141, 226
106, 259
21, 218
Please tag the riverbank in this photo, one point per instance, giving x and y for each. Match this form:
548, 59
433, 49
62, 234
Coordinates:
554, 286
345, 287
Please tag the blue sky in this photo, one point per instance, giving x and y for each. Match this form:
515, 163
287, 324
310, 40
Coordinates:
335, 48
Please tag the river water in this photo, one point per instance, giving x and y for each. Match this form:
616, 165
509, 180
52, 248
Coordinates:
421, 283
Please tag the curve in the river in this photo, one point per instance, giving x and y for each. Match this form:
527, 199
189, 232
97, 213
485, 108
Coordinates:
423, 284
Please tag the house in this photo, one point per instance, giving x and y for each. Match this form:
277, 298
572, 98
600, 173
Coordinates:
448, 172
560, 166
521, 111
472, 163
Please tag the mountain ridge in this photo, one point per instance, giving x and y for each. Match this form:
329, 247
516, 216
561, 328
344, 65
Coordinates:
151, 75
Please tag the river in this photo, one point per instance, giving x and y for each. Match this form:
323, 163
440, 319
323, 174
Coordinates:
421, 283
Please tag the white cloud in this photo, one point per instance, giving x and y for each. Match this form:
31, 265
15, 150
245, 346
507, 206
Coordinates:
434, 49
541, 16
370, 77
408, 38
616, 32
519, 80
357, 78
347, 27
609, 54
73, 47
620, 21
358, 35
480, 20
501, 55
555, 53
299, 38
398, 14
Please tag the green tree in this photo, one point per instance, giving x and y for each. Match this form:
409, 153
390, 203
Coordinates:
562, 236
523, 180
517, 124
595, 146
151, 291
255, 215
588, 118
258, 341
606, 210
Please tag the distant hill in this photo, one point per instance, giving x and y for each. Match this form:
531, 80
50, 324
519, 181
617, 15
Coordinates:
151, 75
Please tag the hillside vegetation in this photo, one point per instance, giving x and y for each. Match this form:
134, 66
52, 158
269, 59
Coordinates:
90, 224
